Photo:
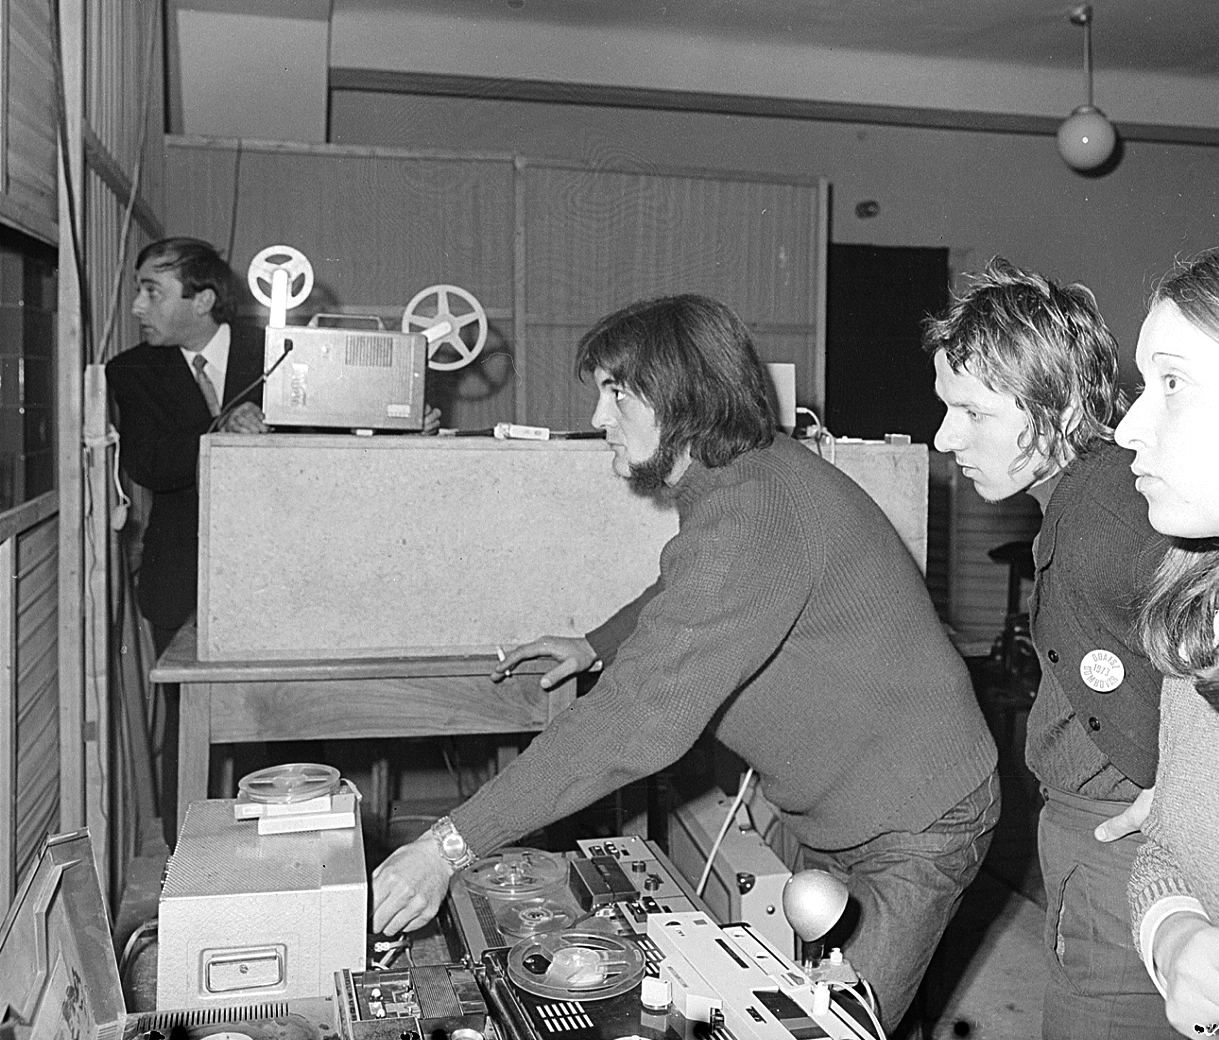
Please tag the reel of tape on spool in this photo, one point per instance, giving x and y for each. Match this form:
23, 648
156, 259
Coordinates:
576, 965
290, 783
526, 918
517, 873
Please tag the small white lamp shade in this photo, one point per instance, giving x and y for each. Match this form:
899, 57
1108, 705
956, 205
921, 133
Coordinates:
1086, 138
813, 901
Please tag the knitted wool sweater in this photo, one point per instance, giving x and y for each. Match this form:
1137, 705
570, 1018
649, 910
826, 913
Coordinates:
790, 614
1181, 855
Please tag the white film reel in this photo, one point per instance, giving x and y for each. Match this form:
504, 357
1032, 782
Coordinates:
288, 279
452, 321
290, 783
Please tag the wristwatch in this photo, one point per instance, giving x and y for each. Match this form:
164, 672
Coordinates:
453, 846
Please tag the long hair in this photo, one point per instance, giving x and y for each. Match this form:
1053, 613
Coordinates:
693, 360
1043, 344
1177, 623
198, 266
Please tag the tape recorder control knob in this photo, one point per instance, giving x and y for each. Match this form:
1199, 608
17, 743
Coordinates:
652, 882
639, 866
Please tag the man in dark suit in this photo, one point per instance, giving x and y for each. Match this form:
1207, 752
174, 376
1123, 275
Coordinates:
193, 371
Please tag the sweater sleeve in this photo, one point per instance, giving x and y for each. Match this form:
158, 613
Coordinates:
1158, 889
611, 634
735, 579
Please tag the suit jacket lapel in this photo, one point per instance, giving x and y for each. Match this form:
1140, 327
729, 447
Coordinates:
180, 384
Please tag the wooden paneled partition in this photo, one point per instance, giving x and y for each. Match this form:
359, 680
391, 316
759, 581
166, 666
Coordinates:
597, 239
547, 248
105, 67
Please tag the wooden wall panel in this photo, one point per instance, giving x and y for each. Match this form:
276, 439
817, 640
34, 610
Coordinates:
597, 239
36, 671
378, 226
29, 200
636, 235
547, 250
105, 209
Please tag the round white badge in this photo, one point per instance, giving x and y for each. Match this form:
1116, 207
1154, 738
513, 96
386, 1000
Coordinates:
1102, 671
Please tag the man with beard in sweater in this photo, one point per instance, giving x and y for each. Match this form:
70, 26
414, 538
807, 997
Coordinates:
790, 619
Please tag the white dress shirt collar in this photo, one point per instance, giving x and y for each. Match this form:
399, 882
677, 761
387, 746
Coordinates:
217, 354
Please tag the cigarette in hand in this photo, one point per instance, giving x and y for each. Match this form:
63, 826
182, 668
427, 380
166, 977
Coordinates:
499, 652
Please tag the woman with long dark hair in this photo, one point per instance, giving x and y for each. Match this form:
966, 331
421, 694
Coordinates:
1173, 428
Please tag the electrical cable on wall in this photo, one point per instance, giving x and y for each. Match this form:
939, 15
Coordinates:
61, 106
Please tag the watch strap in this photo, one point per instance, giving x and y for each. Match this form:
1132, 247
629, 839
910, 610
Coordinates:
453, 846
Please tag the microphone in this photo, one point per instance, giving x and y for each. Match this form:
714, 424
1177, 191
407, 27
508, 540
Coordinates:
225, 412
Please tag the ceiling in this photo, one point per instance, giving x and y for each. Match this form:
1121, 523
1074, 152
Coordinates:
264, 68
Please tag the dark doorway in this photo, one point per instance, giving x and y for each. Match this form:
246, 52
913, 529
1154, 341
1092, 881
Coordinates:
877, 378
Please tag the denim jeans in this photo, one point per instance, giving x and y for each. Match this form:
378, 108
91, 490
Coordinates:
904, 890
1097, 987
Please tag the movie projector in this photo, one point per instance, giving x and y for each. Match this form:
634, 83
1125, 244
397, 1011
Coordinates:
370, 378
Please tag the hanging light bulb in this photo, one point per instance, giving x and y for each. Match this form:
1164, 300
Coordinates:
1086, 138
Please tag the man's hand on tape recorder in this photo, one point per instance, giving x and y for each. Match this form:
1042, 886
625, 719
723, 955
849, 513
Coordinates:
409, 886
431, 419
245, 418
574, 654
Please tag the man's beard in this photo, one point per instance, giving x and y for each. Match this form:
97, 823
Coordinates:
653, 474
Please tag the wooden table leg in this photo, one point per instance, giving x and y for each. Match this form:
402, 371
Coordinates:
194, 744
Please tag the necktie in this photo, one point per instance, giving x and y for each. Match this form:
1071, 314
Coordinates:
206, 385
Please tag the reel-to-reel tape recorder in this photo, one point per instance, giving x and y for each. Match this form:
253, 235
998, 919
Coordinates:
611, 941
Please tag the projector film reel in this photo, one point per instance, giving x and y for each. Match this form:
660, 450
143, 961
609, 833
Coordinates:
526, 918
295, 267
452, 321
576, 965
290, 783
517, 873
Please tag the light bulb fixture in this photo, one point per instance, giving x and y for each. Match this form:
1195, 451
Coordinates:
813, 900
1086, 138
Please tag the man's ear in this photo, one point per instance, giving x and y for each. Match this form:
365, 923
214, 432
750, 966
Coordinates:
203, 302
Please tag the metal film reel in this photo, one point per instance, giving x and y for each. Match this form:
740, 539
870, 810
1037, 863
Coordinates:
517, 873
452, 321
295, 266
576, 965
525, 918
293, 782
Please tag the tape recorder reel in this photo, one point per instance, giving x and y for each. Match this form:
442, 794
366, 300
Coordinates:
517, 873
576, 965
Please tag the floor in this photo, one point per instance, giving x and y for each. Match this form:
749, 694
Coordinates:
986, 978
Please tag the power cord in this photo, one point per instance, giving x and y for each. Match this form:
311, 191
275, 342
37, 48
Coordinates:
719, 838
868, 1005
